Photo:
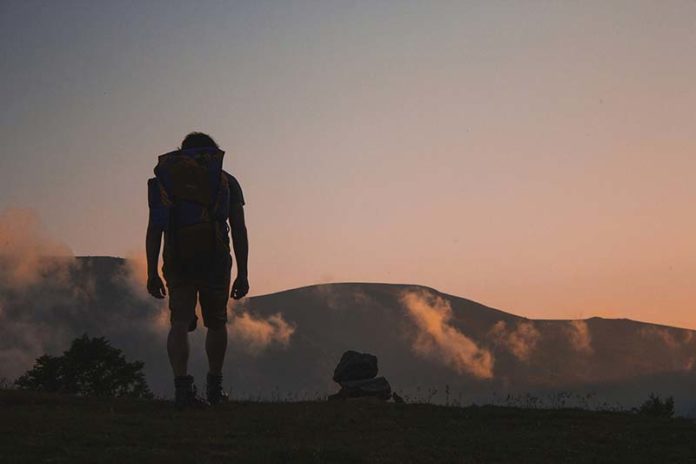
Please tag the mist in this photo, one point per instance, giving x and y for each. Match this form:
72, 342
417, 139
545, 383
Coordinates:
438, 339
48, 297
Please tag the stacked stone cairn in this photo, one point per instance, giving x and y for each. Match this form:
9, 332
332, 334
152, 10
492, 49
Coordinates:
356, 373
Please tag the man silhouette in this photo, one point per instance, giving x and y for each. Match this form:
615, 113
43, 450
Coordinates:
190, 200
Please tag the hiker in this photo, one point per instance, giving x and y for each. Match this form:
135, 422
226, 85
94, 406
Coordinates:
191, 199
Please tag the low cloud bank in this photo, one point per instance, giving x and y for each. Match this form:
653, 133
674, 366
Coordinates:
48, 297
520, 341
27, 253
35, 287
437, 339
679, 342
663, 335
254, 333
580, 337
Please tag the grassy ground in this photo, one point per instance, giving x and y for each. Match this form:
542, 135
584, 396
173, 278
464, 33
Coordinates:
49, 428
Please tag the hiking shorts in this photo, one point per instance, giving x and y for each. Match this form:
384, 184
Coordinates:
213, 301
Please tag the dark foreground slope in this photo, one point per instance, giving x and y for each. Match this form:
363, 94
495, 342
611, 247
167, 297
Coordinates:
45, 428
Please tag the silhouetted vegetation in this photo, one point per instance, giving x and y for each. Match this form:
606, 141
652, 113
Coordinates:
656, 407
91, 367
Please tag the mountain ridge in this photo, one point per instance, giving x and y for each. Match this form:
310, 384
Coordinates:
122, 260
290, 341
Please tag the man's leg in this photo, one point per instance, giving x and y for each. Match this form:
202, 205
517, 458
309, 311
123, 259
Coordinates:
178, 347
182, 303
215, 348
214, 309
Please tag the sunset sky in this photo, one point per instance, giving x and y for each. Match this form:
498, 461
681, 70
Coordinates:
535, 156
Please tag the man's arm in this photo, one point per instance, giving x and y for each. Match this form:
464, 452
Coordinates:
240, 243
153, 242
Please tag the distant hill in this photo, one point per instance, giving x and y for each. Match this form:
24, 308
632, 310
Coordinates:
430, 345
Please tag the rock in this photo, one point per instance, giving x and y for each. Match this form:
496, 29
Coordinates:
355, 366
376, 388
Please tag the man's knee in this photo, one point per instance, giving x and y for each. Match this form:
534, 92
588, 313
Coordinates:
214, 307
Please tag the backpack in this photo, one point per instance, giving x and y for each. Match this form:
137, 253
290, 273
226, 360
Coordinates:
193, 184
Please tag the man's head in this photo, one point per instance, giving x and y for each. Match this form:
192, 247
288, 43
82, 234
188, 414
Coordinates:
198, 140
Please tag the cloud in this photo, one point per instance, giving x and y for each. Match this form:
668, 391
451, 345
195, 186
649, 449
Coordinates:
665, 336
330, 296
133, 276
254, 333
48, 297
46, 315
27, 253
439, 340
34, 280
339, 297
678, 342
579, 336
134, 273
521, 341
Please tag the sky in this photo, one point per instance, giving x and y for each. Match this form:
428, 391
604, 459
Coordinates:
538, 157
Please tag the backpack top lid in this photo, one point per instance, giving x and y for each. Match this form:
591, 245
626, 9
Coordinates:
191, 175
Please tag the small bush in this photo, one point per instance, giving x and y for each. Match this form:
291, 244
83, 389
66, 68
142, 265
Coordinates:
654, 406
91, 367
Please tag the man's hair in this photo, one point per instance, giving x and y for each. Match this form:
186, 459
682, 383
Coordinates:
198, 140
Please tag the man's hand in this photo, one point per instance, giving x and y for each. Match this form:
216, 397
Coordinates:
155, 287
240, 287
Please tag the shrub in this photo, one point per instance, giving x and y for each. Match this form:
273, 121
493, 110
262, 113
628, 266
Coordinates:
91, 367
656, 407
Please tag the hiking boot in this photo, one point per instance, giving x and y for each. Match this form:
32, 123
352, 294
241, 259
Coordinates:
186, 395
214, 391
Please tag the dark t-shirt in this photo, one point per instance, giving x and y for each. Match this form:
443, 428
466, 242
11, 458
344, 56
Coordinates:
174, 271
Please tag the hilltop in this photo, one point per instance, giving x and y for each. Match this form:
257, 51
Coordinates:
51, 428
